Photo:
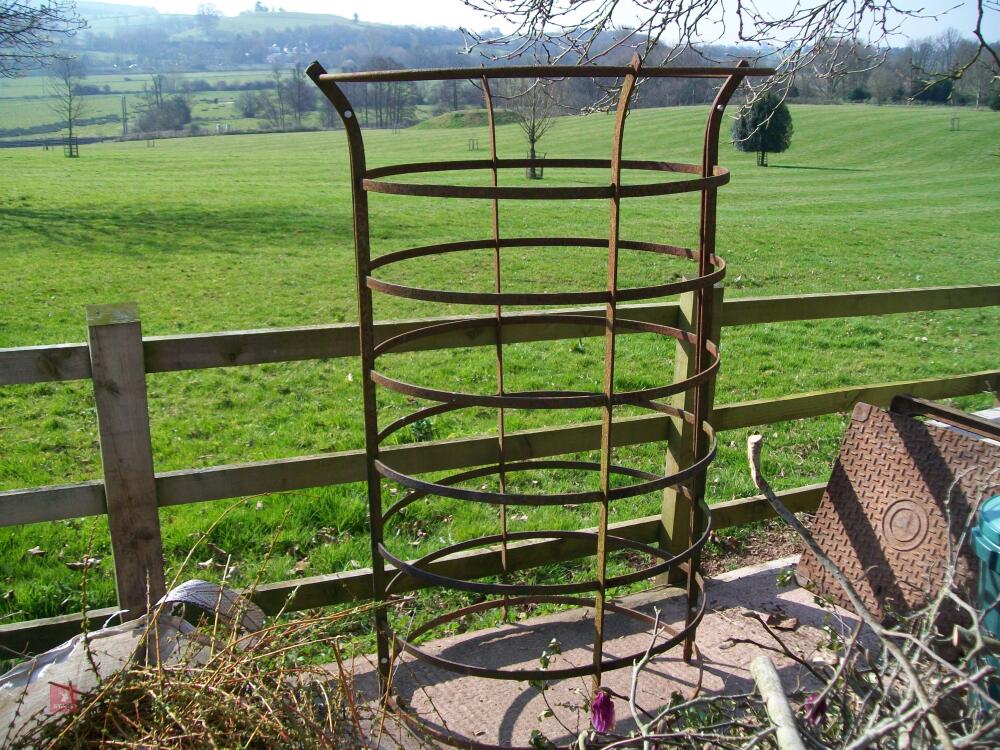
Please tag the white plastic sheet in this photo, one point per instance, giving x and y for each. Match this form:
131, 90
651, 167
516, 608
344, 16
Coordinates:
48, 687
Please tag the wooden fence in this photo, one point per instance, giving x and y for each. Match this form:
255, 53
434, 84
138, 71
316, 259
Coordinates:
117, 358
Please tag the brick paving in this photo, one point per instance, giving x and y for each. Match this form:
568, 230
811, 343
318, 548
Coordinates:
505, 712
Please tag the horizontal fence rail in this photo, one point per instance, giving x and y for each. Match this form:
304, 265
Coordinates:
356, 585
303, 472
67, 362
41, 364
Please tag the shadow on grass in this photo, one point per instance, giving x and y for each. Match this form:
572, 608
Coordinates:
171, 229
824, 169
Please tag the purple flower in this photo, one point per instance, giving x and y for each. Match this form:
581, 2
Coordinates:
815, 708
602, 711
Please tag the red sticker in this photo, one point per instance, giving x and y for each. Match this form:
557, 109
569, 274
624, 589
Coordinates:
62, 698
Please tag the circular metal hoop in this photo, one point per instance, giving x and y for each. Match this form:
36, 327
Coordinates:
451, 739
513, 452
417, 570
541, 298
543, 399
405, 645
373, 183
444, 488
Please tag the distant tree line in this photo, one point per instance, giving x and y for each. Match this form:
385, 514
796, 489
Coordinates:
201, 85
167, 43
291, 97
284, 103
161, 110
89, 89
923, 70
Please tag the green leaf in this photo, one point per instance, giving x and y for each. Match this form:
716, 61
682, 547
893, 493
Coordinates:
540, 741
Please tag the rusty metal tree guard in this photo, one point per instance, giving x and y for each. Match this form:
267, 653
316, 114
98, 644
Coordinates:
705, 178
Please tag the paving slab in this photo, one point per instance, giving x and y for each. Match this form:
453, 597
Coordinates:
505, 712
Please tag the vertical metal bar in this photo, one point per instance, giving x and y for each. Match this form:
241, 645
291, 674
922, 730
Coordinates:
362, 252
501, 428
610, 314
703, 310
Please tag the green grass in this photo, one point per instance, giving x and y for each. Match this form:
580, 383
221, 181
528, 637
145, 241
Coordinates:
244, 232
122, 83
250, 23
26, 103
469, 118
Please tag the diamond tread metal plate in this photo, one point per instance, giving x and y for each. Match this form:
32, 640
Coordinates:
897, 502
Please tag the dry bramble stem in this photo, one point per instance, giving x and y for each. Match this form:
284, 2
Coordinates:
769, 685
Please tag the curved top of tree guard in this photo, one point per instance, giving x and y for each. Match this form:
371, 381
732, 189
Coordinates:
533, 71
688, 481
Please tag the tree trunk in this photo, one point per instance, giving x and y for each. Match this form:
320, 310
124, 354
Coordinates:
531, 155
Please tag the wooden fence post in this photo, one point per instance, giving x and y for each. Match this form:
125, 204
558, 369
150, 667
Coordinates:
675, 532
119, 376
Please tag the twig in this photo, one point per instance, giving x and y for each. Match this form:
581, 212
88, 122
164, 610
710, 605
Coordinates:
637, 670
843, 663
782, 648
758, 738
964, 637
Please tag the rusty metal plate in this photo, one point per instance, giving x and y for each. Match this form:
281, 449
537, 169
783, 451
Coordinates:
897, 504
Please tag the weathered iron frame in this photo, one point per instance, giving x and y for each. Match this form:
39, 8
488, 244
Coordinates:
689, 481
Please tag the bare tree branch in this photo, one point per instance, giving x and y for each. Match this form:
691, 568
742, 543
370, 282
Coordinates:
66, 100
30, 33
535, 109
831, 38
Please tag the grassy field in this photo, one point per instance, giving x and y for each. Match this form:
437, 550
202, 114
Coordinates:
241, 232
26, 103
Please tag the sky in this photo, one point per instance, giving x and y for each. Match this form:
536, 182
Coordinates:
453, 13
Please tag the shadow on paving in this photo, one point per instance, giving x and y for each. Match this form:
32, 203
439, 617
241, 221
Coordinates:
506, 711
